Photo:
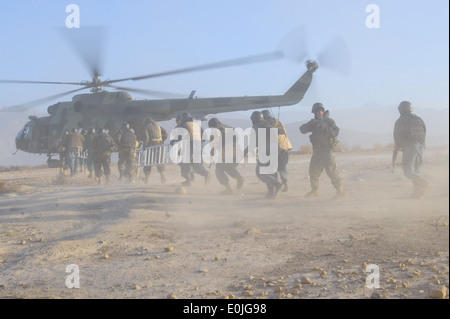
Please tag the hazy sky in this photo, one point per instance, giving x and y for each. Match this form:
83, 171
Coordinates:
405, 58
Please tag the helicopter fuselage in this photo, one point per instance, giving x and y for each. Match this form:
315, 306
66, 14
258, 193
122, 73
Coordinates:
110, 109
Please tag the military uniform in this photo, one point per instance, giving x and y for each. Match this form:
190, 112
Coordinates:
87, 145
127, 143
102, 145
271, 180
154, 135
409, 137
195, 134
324, 140
224, 169
285, 147
73, 143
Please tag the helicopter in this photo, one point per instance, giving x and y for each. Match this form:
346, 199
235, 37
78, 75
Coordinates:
109, 110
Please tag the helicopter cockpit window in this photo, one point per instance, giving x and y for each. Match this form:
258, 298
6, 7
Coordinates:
27, 132
21, 133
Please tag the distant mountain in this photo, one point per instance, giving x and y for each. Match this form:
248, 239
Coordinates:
364, 127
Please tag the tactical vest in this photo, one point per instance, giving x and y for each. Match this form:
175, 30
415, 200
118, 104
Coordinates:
128, 139
155, 132
195, 131
103, 143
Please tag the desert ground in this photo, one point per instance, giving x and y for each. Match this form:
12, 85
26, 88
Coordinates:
160, 241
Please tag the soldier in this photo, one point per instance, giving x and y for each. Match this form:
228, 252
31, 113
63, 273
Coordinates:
154, 135
73, 143
271, 180
223, 169
87, 145
102, 145
127, 144
63, 157
409, 137
186, 121
284, 147
324, 140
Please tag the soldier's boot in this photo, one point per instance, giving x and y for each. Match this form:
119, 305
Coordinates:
163, 178
313, 193
285, 186
340, 192
192, 176
228, 190
90, 175
240, 182
120, 176
99, 180
107, 181
419, 188
207, 178
146, 178
274, 190
187, 182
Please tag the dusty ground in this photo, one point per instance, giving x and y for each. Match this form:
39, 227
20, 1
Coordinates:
225, 246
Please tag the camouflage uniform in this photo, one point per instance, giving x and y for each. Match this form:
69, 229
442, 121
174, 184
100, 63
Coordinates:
271, 180
73, 143
188, 169
127, 143
284, 148
154, 135
324, 140
87, 145
102, 145
224, 169
409, 136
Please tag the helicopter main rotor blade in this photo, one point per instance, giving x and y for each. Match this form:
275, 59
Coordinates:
336, 57
88, 42
148, 92
40, 82
247, 60
295, 45
28, 105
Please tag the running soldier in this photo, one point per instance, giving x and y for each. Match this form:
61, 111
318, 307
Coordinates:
154, 135
284, 148
127, 144
324, 140
409, 137
102, 145
224, 169
271, 180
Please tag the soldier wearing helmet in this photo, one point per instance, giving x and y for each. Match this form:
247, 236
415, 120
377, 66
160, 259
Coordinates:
73, 144
271, 180
284, 147
409, 137
127, 144
225, 168
323, 138
186, 121
154, 134
102, 145
87, 145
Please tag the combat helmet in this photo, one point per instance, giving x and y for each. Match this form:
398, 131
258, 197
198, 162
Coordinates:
256, 117
214, 122
405, 107
317, 107
266, 114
